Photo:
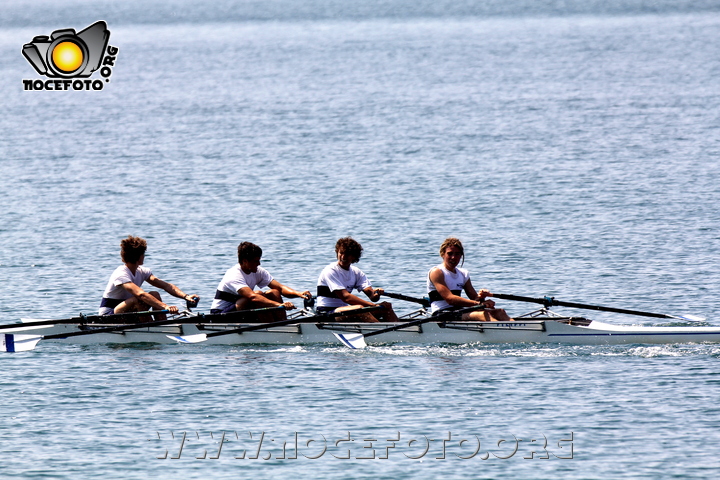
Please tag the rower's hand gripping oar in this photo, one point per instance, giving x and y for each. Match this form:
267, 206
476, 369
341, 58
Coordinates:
357, 340
550, 301
201, 337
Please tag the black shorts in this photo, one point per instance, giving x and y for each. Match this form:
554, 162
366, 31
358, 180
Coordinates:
218, 311
446, 310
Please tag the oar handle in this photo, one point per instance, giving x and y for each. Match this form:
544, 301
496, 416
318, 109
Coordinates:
550, 301
193, 302
399, 296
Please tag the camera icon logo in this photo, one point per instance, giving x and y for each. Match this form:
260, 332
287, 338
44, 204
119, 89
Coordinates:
67, 54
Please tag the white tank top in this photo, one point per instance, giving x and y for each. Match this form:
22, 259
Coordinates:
454, 281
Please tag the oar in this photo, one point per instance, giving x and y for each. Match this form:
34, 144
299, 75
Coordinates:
120, 328
24, 343
201, 337
422, 301
80, 319
12, 342
550, 301
357, 340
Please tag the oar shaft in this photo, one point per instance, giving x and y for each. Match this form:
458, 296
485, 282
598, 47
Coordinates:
259, 326
290, 321
114, 328
399, 296
81, 319
243, 313
85, 319
157, 323
611, 309
424, 320
552, 302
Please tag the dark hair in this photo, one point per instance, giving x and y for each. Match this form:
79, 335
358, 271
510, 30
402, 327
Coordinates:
452, 242
132, 248
248, 251
348, 246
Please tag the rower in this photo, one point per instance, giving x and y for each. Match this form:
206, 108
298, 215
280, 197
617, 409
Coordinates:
236, 290
339, 279
124, 294
446, 282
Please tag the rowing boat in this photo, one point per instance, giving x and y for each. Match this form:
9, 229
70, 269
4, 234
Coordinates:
304, 328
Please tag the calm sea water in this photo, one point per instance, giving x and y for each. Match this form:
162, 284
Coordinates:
574, 148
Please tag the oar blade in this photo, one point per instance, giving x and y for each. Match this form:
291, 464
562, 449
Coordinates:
18, 343
198, 338
352, 340
691, 318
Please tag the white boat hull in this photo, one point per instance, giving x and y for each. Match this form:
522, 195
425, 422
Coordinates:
521, 331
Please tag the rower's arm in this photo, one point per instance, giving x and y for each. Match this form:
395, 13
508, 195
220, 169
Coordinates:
169, 288
478, 297
373, 293
351, 299
261, 301
145, 297
287, 291
438, 280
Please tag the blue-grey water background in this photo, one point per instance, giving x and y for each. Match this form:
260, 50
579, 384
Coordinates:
573, 146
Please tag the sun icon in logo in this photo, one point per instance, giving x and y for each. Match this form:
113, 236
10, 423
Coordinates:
67, 56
